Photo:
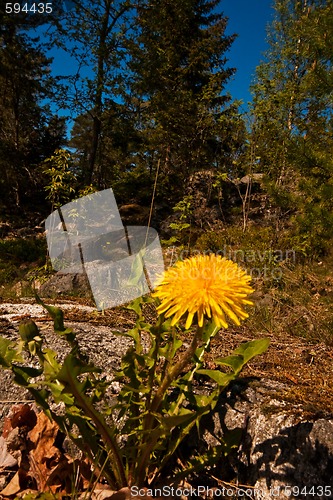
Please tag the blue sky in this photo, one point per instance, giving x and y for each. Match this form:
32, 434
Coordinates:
249, 19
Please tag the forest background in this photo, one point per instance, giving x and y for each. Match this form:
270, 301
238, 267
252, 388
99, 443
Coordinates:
155, 123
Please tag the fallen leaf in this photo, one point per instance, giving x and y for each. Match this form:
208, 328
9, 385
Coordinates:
12, 487
22, 415
6, 459
44, 456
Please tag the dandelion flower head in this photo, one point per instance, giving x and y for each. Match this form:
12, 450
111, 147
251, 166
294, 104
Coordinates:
208, 286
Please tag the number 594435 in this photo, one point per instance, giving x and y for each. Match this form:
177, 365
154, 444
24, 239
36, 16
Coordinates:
34, 8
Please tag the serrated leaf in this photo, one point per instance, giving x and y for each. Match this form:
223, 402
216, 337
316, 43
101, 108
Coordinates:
166, 325
75, 367
58, 393
210, 331
253, 348
169, 422
134, 333
51, 364
170, 349
235, 362
56, 314
41, 397
222, 379
68, 333
23, 374
8, 354
177, 343
203, 400
135, 306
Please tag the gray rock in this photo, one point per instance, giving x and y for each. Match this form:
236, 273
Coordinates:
66, 284
281, 453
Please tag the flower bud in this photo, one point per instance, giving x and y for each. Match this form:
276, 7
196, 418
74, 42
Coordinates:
28, 330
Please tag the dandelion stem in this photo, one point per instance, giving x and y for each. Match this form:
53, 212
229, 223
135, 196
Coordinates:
204, 348
176, 370
158, 331
150, 421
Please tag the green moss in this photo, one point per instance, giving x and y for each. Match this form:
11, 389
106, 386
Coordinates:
21, 261
22, 250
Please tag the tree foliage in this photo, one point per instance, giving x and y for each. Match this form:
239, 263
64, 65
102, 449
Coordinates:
29, 132
147, 91
293, 109
162, 98
97, 31
178, 63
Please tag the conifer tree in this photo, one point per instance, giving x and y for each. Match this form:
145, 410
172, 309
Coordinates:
293, 111
178, 76
29, 131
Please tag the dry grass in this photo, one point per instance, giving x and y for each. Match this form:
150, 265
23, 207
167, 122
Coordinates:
297, 316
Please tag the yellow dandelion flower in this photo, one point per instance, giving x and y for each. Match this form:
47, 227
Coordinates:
208, 286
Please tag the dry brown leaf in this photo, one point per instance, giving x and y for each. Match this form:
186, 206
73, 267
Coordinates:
66, 472
22, 415
29, 444
12, 487
6, 459
44, 457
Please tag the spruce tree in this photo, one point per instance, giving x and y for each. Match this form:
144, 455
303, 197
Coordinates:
178, 64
